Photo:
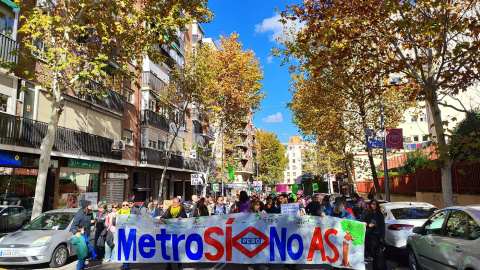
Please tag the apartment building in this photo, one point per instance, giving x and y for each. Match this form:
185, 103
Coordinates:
294, 151
106, 148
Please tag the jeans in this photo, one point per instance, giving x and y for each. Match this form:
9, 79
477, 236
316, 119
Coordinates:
372, 241
109, 252
80, 264
126, 266
169, 265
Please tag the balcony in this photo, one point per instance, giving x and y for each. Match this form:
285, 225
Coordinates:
242, 145
150, 80
243, 132
240, 156
242, 169
7, 46
112, 101
154, 119
199, 139
19, 131
156, 157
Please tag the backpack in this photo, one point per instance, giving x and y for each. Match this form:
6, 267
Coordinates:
224, 209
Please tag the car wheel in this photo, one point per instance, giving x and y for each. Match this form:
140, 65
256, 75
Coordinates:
59, 257
412, 261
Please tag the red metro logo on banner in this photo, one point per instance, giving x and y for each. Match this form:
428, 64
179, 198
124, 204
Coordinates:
394, 138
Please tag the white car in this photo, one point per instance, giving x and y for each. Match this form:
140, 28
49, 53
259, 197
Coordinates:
450, 239
401, 217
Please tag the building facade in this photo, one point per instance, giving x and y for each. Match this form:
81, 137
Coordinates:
295, 150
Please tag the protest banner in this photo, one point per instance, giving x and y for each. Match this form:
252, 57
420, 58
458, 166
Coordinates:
290, 209
242, 238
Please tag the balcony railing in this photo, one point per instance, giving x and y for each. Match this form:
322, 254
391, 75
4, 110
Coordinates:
156, 157
150, 80
7, 46
154, 119
19, 131
113, 101
199, 139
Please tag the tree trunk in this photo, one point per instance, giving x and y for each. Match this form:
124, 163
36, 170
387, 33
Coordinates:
446, 160
46, 150
374, 174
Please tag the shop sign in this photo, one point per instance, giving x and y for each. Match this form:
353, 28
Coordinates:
117, 176
9, 158
84, 164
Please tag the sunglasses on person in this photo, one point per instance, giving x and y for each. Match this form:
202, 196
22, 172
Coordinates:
114, 206
124, 204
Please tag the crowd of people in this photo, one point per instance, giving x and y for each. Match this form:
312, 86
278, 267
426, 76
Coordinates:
318, 205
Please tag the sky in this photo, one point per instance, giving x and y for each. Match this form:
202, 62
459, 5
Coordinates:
257, 24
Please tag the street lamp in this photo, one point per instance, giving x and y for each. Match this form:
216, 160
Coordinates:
258, 164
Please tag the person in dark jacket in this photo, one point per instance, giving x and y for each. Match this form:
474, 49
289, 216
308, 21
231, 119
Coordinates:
133, 209
270, 207
175, 211
375, 234
358, 205
100, 226
315, 208
83, 218
201, 209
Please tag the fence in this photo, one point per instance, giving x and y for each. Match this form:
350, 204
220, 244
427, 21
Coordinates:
465, 179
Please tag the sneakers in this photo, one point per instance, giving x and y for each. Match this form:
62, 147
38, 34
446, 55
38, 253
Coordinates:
250, 268
263, 267
169, 267
106, 260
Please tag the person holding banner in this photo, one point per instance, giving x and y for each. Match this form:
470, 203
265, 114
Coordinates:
244, 202
174, 211
201, 209
220, 208
375, 234
109, 251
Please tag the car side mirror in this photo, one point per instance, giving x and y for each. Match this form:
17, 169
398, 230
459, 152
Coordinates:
417, 230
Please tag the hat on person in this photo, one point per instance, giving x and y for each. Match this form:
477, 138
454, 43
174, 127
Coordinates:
131, 200
84, 203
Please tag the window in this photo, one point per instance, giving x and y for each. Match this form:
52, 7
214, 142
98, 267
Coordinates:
128, 136
425, 138
473, 229
41, 51
294, 167
456, 224
415, 138
434, 224
422, 119
128, 96
7, 22
3, 103
291, 148
293, 154
293, 160
151, 105
161, 145
288, 173
414, 119
294, 173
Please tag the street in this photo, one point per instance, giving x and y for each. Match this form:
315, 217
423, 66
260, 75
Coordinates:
100, 265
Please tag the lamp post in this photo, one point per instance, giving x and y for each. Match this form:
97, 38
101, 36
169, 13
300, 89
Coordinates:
384, 150
258, 164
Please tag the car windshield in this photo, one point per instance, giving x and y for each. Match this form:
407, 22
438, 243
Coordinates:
413, 212
50, 221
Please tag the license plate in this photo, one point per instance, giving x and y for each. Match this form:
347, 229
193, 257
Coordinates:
5, 253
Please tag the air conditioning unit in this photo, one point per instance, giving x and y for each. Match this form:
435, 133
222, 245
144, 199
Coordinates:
118, 145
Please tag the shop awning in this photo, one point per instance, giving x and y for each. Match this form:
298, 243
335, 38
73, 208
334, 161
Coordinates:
11, 4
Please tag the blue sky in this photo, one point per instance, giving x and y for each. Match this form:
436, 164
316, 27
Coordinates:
256, 23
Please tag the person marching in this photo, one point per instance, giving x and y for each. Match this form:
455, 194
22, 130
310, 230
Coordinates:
174, 211
220, 208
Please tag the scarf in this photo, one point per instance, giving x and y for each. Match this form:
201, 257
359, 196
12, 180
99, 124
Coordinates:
174, 211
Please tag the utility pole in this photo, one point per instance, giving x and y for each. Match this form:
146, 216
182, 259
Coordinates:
384, 149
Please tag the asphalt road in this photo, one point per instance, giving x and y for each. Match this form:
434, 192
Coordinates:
100, 265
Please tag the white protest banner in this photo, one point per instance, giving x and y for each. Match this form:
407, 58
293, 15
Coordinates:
291, 209
241, 238
197, 179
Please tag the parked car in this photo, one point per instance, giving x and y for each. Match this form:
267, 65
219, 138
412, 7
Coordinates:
46, 239
12, 218
450, 239
401, 217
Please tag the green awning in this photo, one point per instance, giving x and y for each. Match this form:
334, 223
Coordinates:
11, 4
177, 48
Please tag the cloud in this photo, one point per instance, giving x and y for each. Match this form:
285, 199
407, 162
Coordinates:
269, 59
274, 118
285, 134
273, 27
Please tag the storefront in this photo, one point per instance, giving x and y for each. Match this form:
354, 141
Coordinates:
18, 178
115, 187
79, 181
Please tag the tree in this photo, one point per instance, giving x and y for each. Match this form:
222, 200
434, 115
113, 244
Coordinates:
338, 103
83, 37
433, 44
464, 141
271, 159
414, 159
232, 92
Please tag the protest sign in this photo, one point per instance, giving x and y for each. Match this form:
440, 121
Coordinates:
242, 238
290, 209
281, 188
197, 179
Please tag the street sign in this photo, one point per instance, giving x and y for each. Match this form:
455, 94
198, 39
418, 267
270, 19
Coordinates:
197, 179
394, 138
373, 139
